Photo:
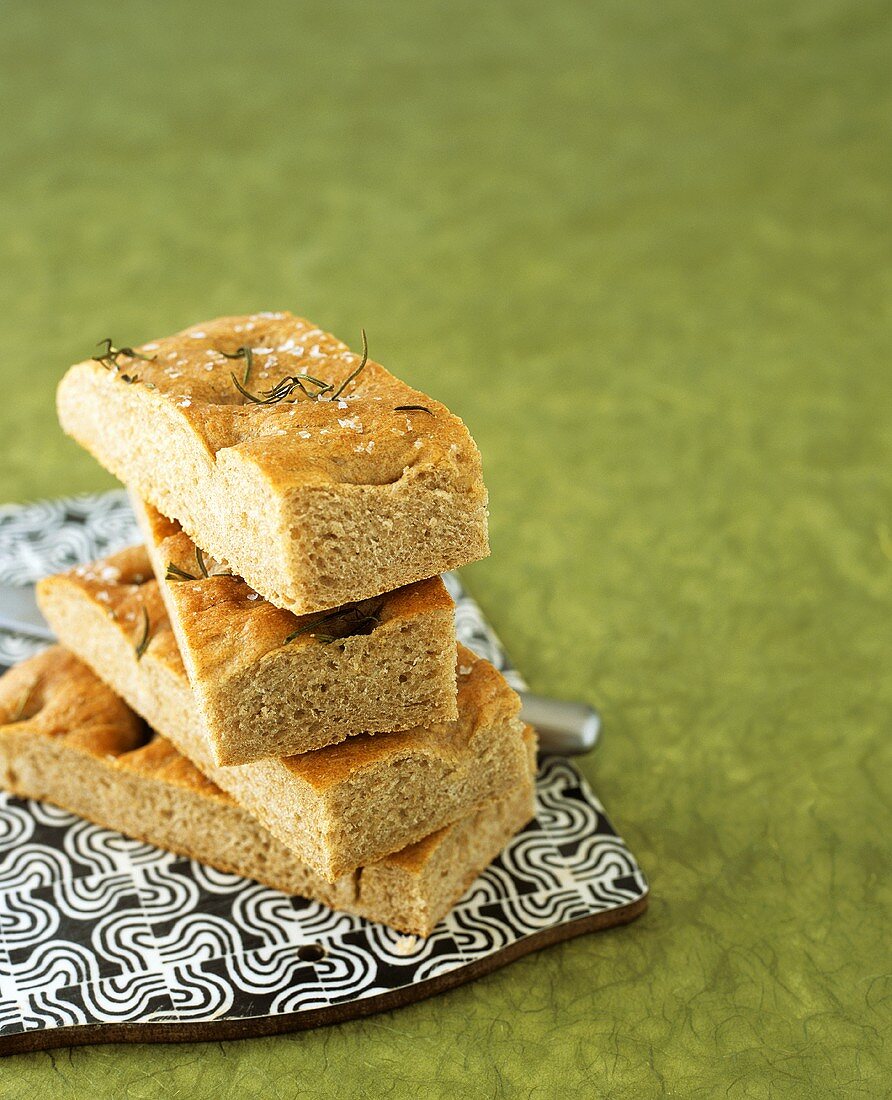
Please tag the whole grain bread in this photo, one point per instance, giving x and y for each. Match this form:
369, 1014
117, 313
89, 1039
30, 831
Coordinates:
315, 501
336, 808
66, 738
269, 683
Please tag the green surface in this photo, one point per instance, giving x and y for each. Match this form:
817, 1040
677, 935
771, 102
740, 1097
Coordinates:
644, 250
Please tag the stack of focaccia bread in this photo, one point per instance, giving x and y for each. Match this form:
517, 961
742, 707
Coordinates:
272, 683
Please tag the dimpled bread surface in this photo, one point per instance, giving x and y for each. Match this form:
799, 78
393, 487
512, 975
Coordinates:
316, 501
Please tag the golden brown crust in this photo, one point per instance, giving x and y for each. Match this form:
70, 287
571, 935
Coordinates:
337, 491
189, 372
53, 695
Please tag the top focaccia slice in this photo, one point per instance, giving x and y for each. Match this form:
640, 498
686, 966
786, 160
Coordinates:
317, 484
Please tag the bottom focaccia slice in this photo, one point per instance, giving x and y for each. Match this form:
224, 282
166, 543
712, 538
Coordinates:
66, 738
336, 808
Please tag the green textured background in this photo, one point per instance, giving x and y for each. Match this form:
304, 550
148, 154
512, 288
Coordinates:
644, 249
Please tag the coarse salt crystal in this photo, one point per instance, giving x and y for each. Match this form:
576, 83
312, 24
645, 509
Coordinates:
198, 335
184, 403
253, 596
350, 422
342, 404
304, 435
417, 444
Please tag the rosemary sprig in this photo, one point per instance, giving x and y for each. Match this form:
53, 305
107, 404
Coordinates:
242, 353
109, 357
286, 387
413, 408
174, 573
353, 619
23, 703
143, 644
359, 369
283, 389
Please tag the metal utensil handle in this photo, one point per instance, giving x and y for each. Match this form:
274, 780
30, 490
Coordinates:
565, 729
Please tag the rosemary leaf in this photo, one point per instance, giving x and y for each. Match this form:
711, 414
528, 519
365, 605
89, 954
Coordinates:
242, 353
283, 389
349, 620
413, 408
174, 573
19, 713
109, 357
359, 369
199, 557
309, 628
143, 644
